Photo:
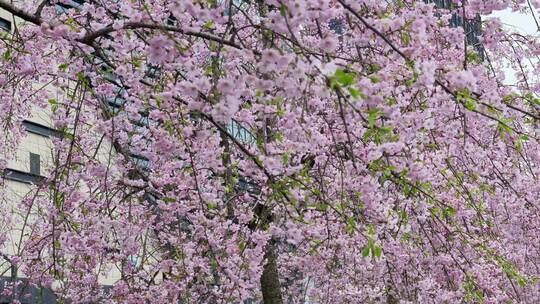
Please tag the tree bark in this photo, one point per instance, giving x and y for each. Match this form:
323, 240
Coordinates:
270, 285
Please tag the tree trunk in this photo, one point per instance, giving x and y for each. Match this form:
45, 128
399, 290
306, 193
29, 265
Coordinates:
270, 285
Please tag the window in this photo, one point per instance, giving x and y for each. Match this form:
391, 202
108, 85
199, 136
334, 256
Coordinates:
472, 27
62, 7
336, 25
152, 71
39, 129
172, 21
441, 3
31, 177
241, 133
116, 102
249, 186
35, 164
141, 161
5, 25
132, 260
23, 177
142, 121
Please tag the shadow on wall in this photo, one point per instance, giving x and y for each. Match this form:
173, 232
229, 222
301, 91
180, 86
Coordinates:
25, 293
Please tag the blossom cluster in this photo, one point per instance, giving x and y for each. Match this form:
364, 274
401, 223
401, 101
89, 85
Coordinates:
219, 151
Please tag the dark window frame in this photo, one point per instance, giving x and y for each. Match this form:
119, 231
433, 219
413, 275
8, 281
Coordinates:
5, 24
62, 8
35, 164
22, 177
40, 129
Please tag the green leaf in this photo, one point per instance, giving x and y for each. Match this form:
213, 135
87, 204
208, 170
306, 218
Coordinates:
405, 38
322, 207
285, 158
504, 126
168, 199
474, 57
7, 55
213, 46
373, 115
519, 145
406, 189
63, 67
334, 85
464, 96
354, 93
365, 251
508, 98
283, 10
470, 104
214, 265
449, 212
351, 226
411, 81
209, 25
344, 78
377, 251
375, 79
371, 231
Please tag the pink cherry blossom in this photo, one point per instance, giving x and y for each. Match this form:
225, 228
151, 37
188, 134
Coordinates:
272, 151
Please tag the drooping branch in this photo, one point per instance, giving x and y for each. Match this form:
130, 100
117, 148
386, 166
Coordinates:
437, 81
93, 35
20, 13
41, 7
90, 37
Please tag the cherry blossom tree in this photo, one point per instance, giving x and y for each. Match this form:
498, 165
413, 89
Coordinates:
218, 151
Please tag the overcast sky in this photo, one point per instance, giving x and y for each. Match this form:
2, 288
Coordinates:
523, 23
